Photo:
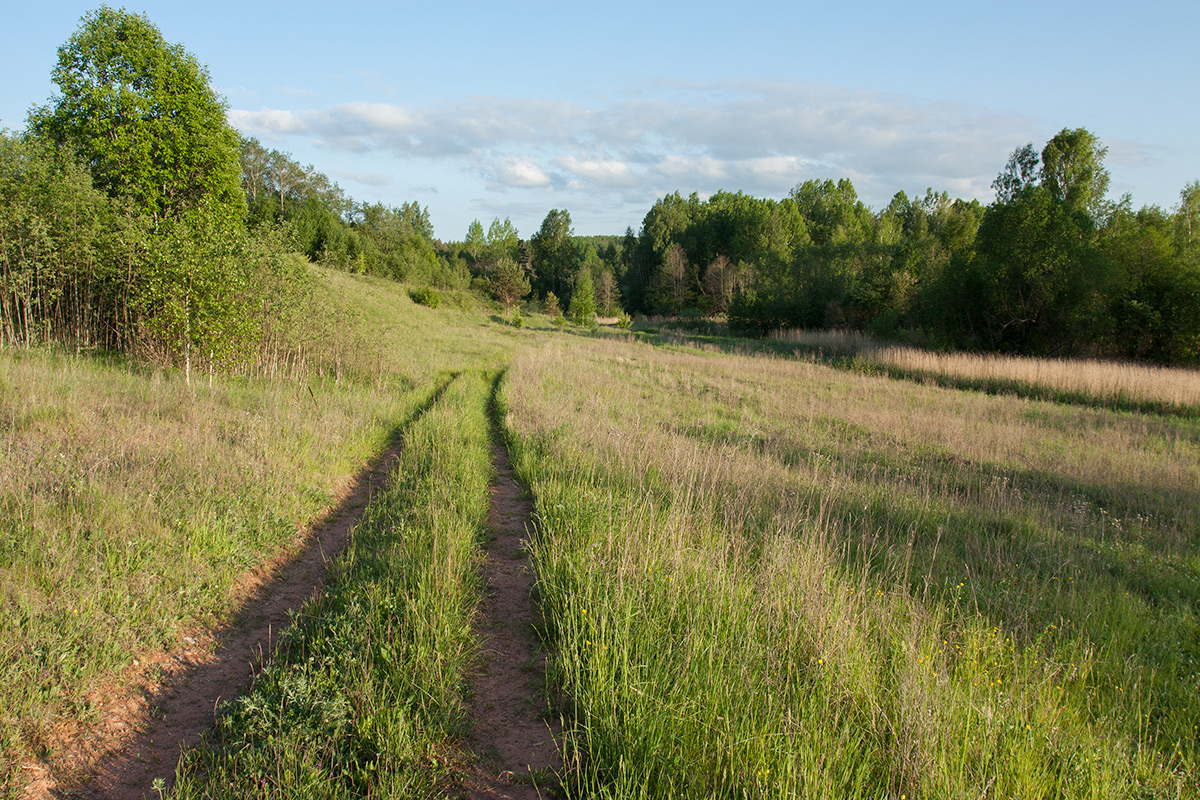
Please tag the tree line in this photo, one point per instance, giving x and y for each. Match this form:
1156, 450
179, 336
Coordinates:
1050, 267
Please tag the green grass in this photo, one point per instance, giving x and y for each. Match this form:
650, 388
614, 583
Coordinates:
130, 503
765, 578
761, 577
367, 694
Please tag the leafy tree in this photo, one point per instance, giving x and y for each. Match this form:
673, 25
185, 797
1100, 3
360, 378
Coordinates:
140, 112
554, 256
62, 251
1021, 171
1155, 299
416, 217
503, 241
474, 241
1189, 214
1040, 273
1073, 170
832, 212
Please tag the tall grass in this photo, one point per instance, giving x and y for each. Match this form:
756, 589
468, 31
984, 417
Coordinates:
1103, 382
366, 695
772, 578
130, 502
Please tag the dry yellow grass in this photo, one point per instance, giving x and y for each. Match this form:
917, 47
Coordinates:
1103, 380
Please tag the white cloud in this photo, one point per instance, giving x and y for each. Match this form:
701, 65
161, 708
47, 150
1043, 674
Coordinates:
758, 137
520, 173
601, 171
705, 167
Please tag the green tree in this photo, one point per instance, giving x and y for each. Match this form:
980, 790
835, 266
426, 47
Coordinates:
1155, 300
62, 251
140, 112
554, 256
503, 241
551, 307
474, 241
508, 283
832, 212
1022, 170
1040, 273
1189, 215
582, 309
1073, 170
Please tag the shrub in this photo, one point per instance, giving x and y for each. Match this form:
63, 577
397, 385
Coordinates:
425, 296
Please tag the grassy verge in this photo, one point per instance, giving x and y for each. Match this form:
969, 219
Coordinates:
366, 694
767, 578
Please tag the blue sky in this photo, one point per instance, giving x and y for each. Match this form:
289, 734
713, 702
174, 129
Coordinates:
483, 110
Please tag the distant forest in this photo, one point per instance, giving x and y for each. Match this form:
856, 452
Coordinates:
134, 218
1051, 267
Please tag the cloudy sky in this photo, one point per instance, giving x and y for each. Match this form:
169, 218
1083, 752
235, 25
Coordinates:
483, 110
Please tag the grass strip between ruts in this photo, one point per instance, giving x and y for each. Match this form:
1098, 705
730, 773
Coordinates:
367, 693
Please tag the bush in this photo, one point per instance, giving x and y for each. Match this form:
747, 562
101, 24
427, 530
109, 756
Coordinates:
425, 296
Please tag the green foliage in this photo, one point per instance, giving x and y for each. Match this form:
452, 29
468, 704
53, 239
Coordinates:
425, 296
1050, 267
63, 251
1073, 171
503, 241
508, 282
474, 241
551, 307
1039, 273
1155, 301
140, 112
582, 308
554, 256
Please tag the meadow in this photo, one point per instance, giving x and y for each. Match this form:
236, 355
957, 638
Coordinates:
772, 578
1123, 385
760, 575
132, 503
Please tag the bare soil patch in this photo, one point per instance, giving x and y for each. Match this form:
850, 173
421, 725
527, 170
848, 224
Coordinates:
514, 733
164, 701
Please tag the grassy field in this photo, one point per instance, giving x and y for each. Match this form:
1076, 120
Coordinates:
130, 503
366, 697
761, 576
768, 578
1125, 386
